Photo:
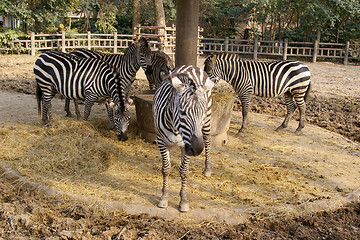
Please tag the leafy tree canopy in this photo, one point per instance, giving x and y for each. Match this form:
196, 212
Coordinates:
300, 20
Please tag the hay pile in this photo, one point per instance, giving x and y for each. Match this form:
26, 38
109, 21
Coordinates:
265, 171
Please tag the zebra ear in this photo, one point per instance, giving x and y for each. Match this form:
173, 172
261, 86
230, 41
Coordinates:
213, 58
209, 84
178, 85
162, 75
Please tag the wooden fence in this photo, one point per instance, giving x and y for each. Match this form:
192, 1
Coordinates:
254, 48
283, 49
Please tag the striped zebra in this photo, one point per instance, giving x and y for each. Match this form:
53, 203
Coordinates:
159, 68
126, 65
182, 113
265, 79
137, 55
78, 78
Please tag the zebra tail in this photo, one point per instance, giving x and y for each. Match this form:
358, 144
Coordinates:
307, 93
38, 97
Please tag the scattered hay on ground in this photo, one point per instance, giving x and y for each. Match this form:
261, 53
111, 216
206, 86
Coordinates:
278, 173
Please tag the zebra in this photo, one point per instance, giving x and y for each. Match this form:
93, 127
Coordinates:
265, 79
160, 66
78, 78
182, 114
127, 64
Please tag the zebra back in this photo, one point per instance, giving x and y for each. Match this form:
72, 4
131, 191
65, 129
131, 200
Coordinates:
265, 79
72, 77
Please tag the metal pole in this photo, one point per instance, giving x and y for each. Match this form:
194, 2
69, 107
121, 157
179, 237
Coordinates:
187, 21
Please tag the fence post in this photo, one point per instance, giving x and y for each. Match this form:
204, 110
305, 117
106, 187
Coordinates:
89, 40
115, 42
256, 41
285, 49
346, 57
226, 44
63, 41
316, 47
32, 37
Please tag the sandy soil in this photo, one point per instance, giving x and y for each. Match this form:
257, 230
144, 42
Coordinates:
315, 176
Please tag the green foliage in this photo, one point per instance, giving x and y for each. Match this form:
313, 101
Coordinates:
298, 20
8, 35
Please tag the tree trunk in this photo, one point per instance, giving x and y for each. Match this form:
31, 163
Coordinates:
160, 21
136, 16
187, 21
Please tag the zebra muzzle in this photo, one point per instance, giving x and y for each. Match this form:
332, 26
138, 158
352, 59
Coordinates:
195, 147
122, 136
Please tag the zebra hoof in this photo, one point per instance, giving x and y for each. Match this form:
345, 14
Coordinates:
280, 128
207, 173
184, 206
298, 131
239, 134
163, 203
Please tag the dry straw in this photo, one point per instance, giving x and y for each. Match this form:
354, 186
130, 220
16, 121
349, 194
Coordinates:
253, 173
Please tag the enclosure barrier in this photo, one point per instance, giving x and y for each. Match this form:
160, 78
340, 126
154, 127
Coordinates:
165, 41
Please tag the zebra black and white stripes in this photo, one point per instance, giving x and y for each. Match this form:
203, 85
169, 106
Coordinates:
126, 65
160, 66
265, 79
77, 78
182, 113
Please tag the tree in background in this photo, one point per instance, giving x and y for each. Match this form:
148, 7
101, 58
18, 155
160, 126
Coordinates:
297, 20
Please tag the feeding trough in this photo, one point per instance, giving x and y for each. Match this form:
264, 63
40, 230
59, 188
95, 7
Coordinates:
220, 121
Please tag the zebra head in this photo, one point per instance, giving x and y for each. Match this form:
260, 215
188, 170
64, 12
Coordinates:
210, 68
122, 120
143, 53
193, 89
161, 64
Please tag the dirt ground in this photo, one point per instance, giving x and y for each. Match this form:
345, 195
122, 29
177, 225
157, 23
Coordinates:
29, 212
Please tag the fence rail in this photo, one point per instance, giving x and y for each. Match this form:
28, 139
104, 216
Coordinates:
283, 49
254, 48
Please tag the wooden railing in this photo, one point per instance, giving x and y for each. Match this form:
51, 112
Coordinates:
283, 49
253, 48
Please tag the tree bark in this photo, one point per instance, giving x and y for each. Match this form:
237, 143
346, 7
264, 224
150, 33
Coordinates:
136, 16
187, 22
160, 21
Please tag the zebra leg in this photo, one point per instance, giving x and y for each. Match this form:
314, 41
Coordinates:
290, 106
110, 114
245, 103
207, 141
207, 170
67, 107
184, 173
46, 110
77, 111
166, 167
300, 103
89, 102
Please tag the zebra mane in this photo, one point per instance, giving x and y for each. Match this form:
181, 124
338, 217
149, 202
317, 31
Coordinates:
228, 56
